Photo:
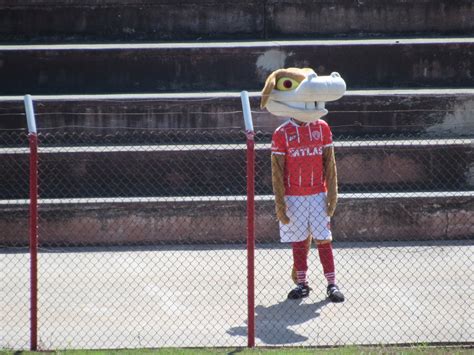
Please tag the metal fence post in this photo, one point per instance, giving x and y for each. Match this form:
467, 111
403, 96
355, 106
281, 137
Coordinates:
250, 216
33, 218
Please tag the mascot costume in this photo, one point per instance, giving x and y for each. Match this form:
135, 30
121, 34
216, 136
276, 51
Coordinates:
304, 175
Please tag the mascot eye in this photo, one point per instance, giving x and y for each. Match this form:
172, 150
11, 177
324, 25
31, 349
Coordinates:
285, 84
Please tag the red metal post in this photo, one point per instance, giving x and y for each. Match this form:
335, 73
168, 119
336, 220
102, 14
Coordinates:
33, 227
251, 237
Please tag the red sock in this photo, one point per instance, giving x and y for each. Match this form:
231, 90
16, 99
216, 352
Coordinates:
327, 261
300, 260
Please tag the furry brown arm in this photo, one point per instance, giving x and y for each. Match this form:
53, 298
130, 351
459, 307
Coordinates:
278, 166
330, 175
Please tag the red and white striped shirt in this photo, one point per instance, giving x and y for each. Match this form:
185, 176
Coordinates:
303, 147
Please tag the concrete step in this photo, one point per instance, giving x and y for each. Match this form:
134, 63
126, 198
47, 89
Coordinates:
359, 218
122, 20
195, 170
232, 66
147, 118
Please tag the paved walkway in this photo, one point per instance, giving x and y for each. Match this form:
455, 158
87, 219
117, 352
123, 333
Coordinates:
190, 296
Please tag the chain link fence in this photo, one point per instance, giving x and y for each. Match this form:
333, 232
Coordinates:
14, 261
142, 242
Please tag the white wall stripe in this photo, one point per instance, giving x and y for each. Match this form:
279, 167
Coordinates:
220, 147
237, 198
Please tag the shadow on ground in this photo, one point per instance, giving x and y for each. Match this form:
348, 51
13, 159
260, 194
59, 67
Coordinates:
272, 323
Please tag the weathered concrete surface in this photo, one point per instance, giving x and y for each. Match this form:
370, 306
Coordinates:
75, 21
365, 217
424, 113
132, 20
348, 17
184, 296
235, 66
179, 170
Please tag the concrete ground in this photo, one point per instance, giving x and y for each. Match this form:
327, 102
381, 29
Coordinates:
196, 296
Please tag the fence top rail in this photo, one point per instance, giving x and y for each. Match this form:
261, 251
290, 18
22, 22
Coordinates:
224, 147
234, 198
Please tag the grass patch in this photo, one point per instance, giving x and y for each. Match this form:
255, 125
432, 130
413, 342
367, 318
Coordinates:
347, 350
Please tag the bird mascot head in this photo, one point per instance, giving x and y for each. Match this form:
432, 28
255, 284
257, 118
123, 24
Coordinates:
300, 93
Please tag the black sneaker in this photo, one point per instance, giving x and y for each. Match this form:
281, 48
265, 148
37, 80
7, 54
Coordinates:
334, 294
300, 291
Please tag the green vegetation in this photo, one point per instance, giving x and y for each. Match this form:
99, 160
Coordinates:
351, 350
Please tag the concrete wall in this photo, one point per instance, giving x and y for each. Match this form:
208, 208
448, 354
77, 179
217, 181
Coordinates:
373, 17
364, 220
235, 66
222, 172
122, 20
231, 67
429, 113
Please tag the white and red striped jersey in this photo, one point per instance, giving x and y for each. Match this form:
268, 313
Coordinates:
303, 147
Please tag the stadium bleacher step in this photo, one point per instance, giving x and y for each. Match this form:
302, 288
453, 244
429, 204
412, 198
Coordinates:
212, 66
368, 217
193, 170
359, 114
164, 20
